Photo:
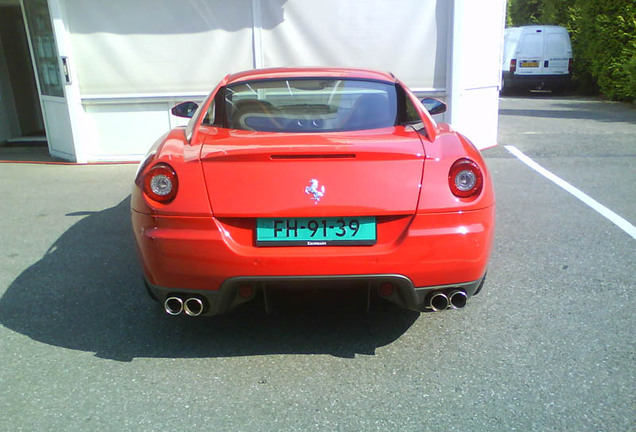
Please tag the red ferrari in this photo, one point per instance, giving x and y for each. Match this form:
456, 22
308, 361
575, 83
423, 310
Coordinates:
312, 177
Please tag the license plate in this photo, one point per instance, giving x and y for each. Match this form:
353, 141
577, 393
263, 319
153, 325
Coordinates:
526, 63
330, 231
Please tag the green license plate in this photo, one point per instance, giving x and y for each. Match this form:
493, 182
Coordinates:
329, 231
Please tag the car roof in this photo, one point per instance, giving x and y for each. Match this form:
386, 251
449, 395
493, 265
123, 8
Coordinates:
282, 73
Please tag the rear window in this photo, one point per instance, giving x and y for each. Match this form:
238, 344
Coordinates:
310, 105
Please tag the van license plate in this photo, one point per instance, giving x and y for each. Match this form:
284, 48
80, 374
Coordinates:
527, 63
329, 231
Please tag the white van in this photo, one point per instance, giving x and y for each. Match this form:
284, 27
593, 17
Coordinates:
536, 57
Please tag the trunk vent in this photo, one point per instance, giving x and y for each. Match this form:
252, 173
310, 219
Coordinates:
313, 156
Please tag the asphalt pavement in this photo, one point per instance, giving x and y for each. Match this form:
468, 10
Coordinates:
549, 344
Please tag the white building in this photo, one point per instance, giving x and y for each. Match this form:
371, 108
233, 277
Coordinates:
107, 72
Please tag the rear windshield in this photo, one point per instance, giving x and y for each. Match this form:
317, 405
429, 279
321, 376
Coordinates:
310, 105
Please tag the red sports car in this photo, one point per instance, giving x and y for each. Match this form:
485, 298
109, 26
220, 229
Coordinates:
312, 177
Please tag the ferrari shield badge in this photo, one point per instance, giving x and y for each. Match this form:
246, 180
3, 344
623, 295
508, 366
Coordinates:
314, 190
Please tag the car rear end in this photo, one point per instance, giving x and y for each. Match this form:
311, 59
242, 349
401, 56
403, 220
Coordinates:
384, 208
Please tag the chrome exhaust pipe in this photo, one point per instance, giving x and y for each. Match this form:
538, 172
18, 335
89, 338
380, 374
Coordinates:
173, 305
458, 299
193, 306
438, 301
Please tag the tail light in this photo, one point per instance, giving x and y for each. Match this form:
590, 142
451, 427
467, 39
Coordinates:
161, 183
570, 65
465, 178
513, 65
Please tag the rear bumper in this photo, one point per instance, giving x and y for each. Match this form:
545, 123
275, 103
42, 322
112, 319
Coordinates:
228, 296
202, 256
512, 81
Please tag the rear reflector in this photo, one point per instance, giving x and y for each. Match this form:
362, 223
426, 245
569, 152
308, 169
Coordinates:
386, 289
246, 291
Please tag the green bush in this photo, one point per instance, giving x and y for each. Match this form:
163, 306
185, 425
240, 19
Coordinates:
631, 73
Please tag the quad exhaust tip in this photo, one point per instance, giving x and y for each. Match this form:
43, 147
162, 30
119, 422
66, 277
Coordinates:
440, 301
173, 305
195, 306
458, 299
192, 306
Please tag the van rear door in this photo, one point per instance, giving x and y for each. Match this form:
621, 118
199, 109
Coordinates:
530, 52
558, 51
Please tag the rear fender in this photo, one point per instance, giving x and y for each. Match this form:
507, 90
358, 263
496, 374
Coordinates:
435, 195
191, 198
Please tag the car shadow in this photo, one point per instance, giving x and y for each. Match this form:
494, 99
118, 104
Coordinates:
86, 294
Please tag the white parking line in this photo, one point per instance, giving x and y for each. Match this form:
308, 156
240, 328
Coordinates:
604, 211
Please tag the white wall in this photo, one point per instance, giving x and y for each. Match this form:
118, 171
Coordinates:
476, 47
150, 47
406, 37
122, 129
135, 58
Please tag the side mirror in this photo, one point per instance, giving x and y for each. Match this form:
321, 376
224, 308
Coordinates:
185, 109
434, 106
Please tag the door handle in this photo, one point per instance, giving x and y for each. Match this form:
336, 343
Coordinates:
66, 70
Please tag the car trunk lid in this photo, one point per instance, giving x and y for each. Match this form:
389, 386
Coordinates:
261, 174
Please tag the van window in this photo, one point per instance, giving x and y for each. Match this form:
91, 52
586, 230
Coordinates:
531, 45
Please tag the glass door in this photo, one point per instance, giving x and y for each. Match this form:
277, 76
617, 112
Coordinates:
50, 79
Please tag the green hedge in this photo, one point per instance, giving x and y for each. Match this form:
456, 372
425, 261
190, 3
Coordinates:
603, 36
